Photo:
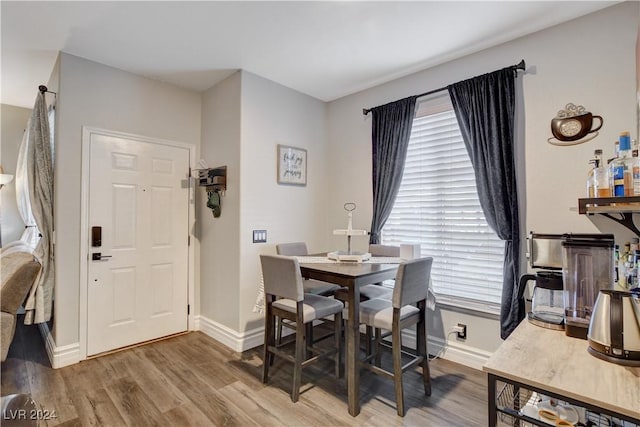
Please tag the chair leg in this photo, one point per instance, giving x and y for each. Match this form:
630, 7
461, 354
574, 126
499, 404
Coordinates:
369, 337
422, 351
268, 339
337, 340
309, 338
279, 331
378, 353
300, 355
397, 367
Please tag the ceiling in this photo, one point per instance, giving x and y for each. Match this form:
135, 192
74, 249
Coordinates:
323, 49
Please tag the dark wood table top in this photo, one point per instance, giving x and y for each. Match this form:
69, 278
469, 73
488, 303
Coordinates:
338, 272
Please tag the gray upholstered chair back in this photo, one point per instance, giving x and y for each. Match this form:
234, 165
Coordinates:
412, 281
384, 250
292, 249
281, 276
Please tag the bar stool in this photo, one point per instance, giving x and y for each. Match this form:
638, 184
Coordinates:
401, 312
310, 286
285, 298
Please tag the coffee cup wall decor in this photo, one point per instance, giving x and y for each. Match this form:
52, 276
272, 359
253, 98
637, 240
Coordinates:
574, 125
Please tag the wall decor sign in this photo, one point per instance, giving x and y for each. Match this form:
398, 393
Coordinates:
292, 165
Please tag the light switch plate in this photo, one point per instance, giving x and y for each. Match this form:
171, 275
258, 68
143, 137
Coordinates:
259, 236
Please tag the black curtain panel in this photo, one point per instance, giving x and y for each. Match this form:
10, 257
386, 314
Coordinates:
391, 129
484, 107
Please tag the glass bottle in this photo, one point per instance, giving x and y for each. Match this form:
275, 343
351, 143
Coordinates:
636, 267
616, 261
600, 176
610, 166
623, 266
636, 168
621, 169
591, 179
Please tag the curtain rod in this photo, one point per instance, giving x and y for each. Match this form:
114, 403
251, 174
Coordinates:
516, 67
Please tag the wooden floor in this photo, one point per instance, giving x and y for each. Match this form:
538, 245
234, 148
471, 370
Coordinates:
194, 380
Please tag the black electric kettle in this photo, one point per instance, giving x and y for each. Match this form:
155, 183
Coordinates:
614, 328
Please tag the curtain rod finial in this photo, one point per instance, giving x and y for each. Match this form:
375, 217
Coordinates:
521, 65
365, 111
42, 88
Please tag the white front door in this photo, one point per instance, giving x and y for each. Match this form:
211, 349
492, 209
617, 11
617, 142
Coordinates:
138, 271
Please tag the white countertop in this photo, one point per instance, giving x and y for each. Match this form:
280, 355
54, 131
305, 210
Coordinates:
552, 361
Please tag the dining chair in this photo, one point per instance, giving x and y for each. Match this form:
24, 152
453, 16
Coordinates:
375, 290
371, 291
407, 307
285, 298
310, 286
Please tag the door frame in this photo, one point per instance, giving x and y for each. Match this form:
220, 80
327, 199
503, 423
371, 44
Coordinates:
87, 131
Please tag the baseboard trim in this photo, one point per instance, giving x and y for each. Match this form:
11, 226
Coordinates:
450, 350
62, 356
237, 341
463, 354
453, 351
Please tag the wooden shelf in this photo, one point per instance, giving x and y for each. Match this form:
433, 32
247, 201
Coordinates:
618, 209
609, 205
213, 179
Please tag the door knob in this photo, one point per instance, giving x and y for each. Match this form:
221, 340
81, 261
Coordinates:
97, 256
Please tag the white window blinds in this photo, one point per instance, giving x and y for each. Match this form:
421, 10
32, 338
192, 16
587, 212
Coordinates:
438, 207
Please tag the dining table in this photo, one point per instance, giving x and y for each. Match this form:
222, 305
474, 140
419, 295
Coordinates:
351, 275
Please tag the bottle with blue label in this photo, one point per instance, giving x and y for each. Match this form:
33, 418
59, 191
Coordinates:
621, 168
636, 168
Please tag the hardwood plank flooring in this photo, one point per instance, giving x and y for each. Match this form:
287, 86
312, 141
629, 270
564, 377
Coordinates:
192, 380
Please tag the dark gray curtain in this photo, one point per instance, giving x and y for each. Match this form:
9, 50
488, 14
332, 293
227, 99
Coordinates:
390, 132
484, 107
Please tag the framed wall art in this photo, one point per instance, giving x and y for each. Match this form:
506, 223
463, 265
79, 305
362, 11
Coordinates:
292, 165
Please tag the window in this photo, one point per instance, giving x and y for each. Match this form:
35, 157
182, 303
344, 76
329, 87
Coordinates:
437, 206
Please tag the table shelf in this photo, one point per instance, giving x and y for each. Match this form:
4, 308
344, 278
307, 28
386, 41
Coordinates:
512, 399
552, 364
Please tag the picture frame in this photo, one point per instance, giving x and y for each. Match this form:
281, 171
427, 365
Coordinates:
292, 165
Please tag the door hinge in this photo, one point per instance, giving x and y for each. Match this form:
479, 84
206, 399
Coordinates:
188, 240
188, 309
189, 171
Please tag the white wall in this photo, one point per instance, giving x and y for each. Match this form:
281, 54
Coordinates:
14, 122
273, 114
219, 237
244, 118
92, 94
588, 61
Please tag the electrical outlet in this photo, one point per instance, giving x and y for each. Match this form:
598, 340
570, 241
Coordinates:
461, 330
259, 236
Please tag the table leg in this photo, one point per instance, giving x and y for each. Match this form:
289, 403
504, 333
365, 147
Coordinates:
353, 350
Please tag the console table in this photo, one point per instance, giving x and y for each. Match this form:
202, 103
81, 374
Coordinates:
550, 363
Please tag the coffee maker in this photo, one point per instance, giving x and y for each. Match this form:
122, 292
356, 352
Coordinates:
547, 301
587, 268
